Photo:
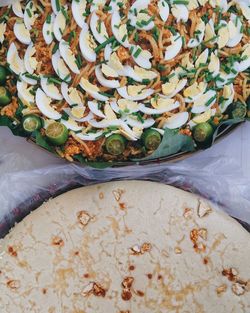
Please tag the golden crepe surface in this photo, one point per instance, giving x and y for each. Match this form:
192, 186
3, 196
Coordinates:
125, 247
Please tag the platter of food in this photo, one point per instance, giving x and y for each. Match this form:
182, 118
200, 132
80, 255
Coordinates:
118, 82
127, 246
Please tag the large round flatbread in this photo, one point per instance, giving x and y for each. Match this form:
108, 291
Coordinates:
134, 247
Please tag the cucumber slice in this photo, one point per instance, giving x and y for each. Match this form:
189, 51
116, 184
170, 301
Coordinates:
57, 133
151, 139
115, 144
5, 96
31, 123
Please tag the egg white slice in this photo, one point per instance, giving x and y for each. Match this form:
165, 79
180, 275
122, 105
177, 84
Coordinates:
134, 122
50, 89
180, 12
200, 104
59, 25
103, 81
194, 98
78, 9
30, 61
29, 80
55, 7
128, 71
93, 106
160, 110
68, 56
214, 64
223, 4
22, 33
92, 90
98, 28
16, 64
85, 44
71, 95
136, 16
43, 103
196, 41
174, 49
141, 57
17, 8
86, 118
202, 59
163, 10
244, 6
48, 29
96, 3
29, 15
119, 30
24, 92
226, 78
228, 94
177, 120
59, 67
236, 37
2, 31
123, 92
71, 125
89, 136
245, 63
180, 85
107, 52
123, 106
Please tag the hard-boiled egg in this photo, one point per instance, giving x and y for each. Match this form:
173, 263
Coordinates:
244, 6
95, 4
2, 31
59, 67
71, 95
192, 5
109, 83
175, 47
235, 31
202, 59
92, 90
78, 10
177, 120
50, 89
144, 74
27, 79
98, 28
89, 136
17, 8
172, 89
109, 113
16, 64
119, 30
199, 35
128, 71
68, 56
138, 16
135, 93
59, 25
245, 57
43, 103
56, 6
204, 102
223, 34
210, 36
71, 124
223, 4
48, 28
109, 71
180, 12
163, 10
228, 96
94, 108
141, 57
87, 44
124, 106
132, 121
22, 33
77, 114
214, 64
160, 106
30, 15
194, 91
24, 92
30, 61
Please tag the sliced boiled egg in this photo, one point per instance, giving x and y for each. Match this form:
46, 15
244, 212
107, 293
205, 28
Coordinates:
71, 95
186, 63
92, 90
56, 6
94, 108
98, 28
59, 67
115, 63
59, 25
87, 44
109, 71
95, 4
29, 15
128, 71
68, 56
204, 102
228, 96
199, 35
77, 114
180, 12
43, 103
48, 28
50, 89
71, 124
109, 113
192, 5
109, 83
172, 89
223, 4
245, 57
244, 6
177, 120
16, 64
202, 59
175, 47
223, 34
22, 33
210, 36
78, 10
89, 136
24, 92
160, 106
119, 30
138, 16
124, 106
27, 79
134, 122
17, 8
214, 64
135, 93
194, 91
163, 10
2, 31
141, 57
30, 61
203, 117
107, 52
144, 74
235, 31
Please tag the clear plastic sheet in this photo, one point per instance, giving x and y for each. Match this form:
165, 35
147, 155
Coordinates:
220, 180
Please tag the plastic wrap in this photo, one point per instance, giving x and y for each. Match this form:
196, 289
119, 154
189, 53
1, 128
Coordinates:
220, 180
